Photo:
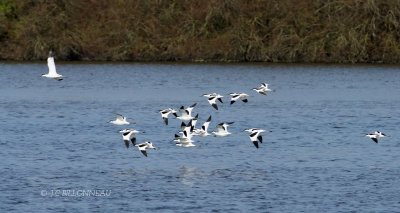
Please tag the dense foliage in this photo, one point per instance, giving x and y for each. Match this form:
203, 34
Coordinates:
197, 30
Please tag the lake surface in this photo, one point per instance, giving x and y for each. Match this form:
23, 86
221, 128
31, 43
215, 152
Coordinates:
55, 137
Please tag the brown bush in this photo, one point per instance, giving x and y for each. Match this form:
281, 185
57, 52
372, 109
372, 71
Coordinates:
348, 31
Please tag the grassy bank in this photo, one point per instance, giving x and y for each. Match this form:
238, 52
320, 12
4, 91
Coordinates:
344, 31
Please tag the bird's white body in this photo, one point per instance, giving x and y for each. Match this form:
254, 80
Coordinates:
185, 144
52, 70
165, 113
212, 99
128, 135
203, 131
255, 135
143, 146
120, 120
236, 96
222, 129
376, 135
186, 114
186, 136
254, 130
263, 89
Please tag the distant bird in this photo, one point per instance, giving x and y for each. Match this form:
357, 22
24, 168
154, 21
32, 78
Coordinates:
212, 99
186, 114
260, 90
255, 135
143, 146
263, 89
129, 136
236, 96
376, 135
203, 131
120, 120
222, 129
52, 69
165, 113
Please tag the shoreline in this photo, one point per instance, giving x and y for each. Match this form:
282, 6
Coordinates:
221, 63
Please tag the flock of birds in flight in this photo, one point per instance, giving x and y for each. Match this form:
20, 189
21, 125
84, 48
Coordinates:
189, 130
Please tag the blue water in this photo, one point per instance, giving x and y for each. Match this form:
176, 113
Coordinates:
55, 137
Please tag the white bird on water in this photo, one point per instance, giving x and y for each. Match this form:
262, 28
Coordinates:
222, 129
376, 135
120, 120
236, 96
143, 146
52, 69
186, 114
129, 136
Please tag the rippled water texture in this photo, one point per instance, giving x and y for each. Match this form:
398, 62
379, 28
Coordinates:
55, 136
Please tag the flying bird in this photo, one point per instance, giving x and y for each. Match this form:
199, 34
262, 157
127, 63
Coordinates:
186, 114
255, 134
143, 146
236, 96
222, 129
52, 69
376, 135
128, 135
263, 89
120, 120
212, 99
165, 113
203, 131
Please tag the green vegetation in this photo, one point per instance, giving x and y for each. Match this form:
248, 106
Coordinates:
345, 31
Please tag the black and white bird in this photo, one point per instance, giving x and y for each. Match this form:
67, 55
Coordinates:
236, 96
255, 135
376, 135
222, 129
186, 133
186, 114
203, 131
143, 146
263, 89
120, 120
185, 139
52, 69
265, 86
165, 113
129, 136
212, 99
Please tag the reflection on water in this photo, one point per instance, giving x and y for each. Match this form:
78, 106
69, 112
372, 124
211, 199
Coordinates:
55, 135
